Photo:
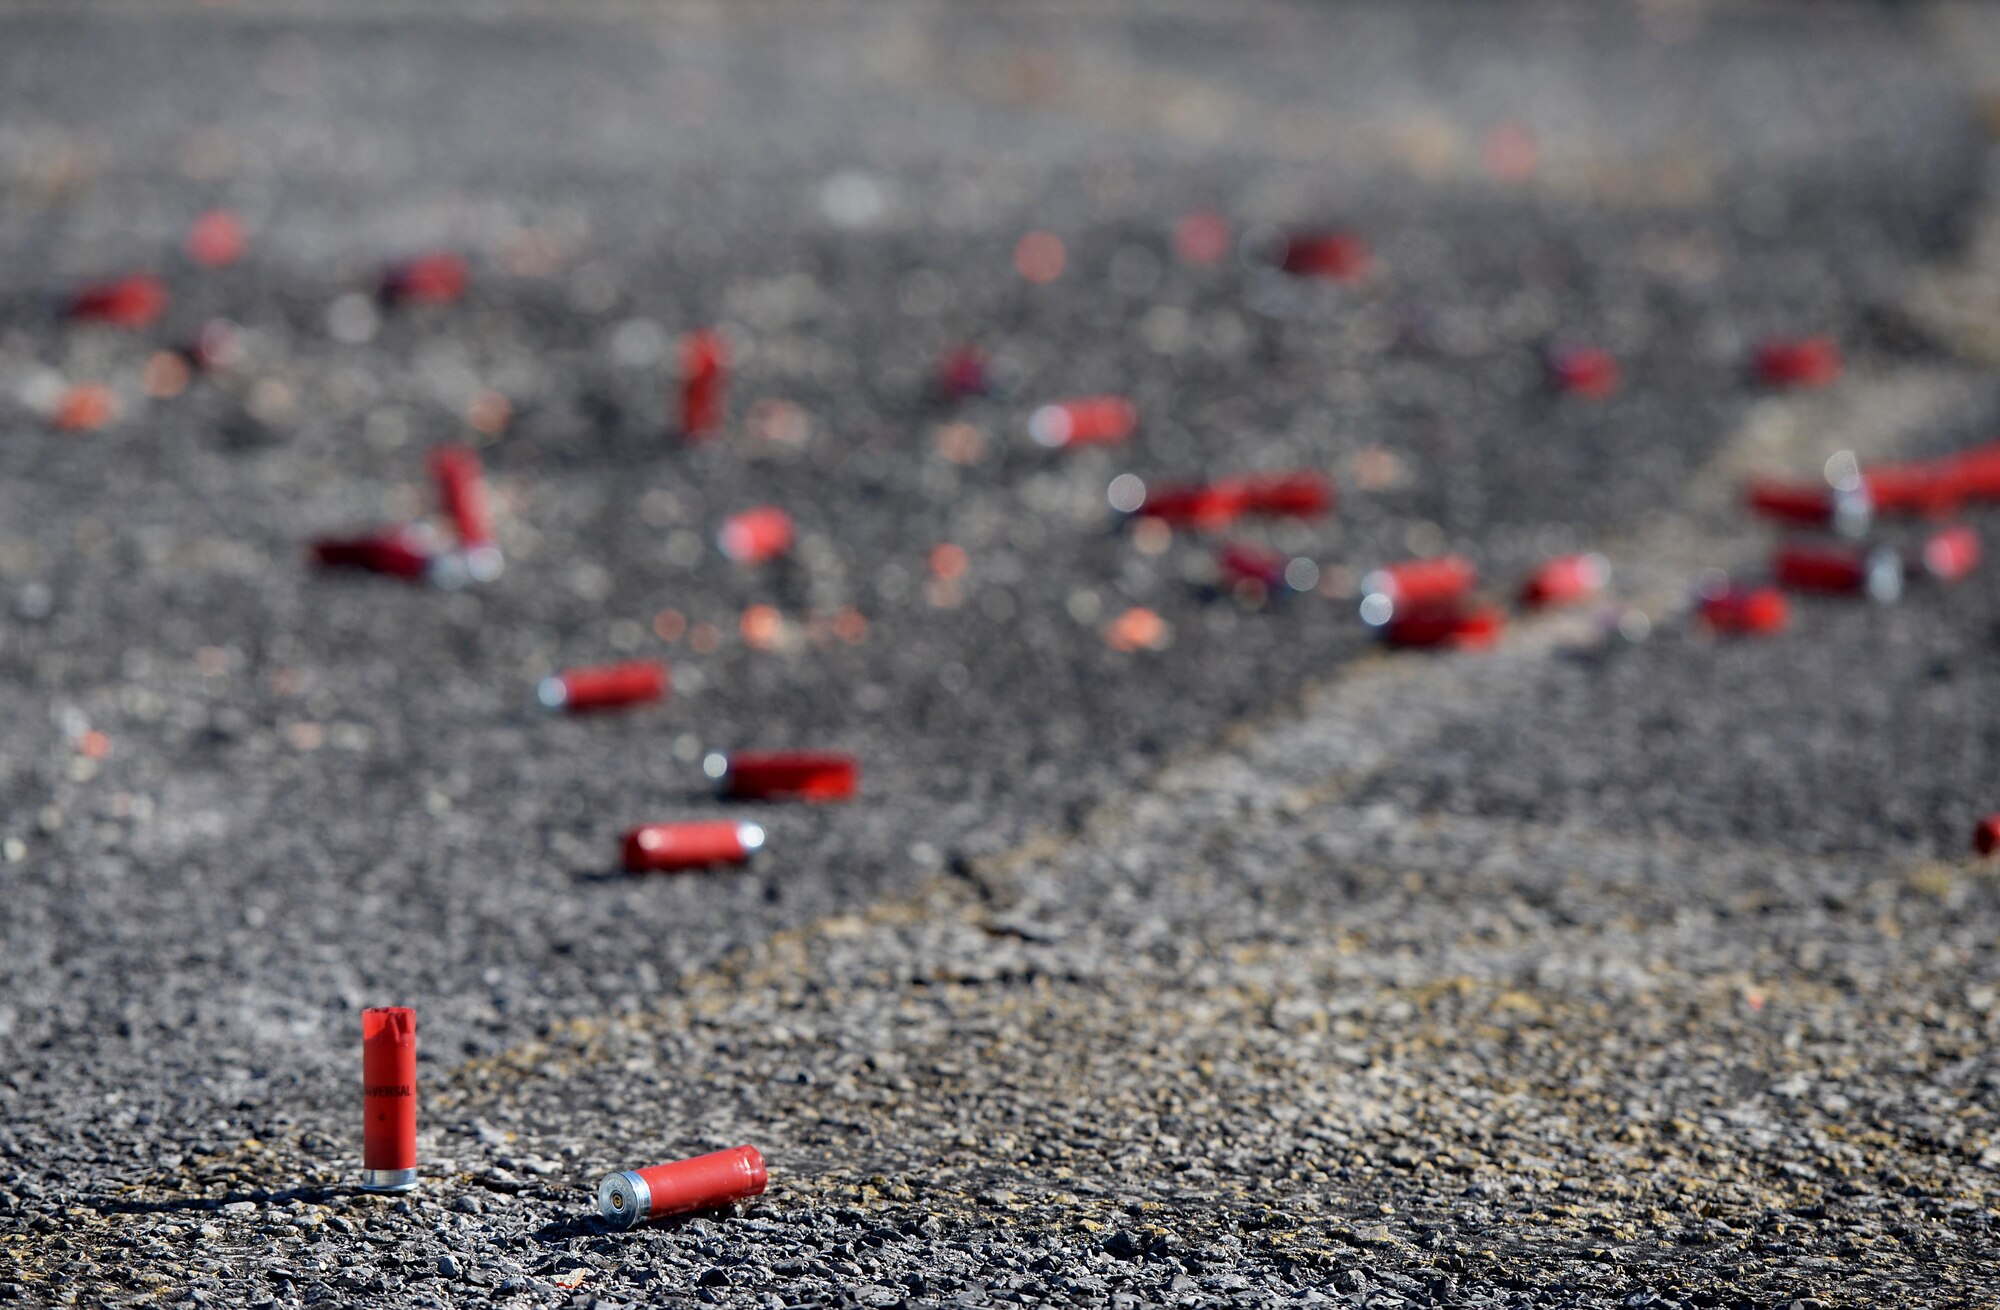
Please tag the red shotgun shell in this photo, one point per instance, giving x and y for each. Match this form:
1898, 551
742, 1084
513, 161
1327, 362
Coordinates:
1245, 564
1303, 494
1798, 362
784, 775
1444, 624
756, 535
217, 238
1841, 570
1951, 553
1565, 580
963, 372
1986, 837
389, 1099
1975, 473
604, 686
128, 302
439, 278
1337, 256
399, 552
706, 1182
704, 377
671, 847
1085, 421
1847, 510
1745, 611
1415, 583
1587, 371
461, 489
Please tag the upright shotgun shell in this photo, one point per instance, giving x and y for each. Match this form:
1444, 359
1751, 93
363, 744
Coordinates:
706, 1182
784, 775
389, 1099
461, 488
704, 379
1085, 421
604, 686
672, 847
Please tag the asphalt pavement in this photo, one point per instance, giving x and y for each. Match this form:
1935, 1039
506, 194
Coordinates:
1256, 965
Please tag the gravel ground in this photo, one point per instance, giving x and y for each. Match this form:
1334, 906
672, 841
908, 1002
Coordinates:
1260, 967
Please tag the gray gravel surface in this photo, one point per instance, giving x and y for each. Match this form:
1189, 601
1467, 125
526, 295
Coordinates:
1258, 968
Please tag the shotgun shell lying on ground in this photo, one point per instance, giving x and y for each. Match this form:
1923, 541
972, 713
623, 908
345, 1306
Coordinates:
784, 775
706, 1182
1085, 421
604, 686
672, 847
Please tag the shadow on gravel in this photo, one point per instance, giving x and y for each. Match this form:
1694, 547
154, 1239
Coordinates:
563, 1230
310, 1195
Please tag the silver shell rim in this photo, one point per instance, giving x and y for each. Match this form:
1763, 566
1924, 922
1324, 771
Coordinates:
623, 1198
388, 1180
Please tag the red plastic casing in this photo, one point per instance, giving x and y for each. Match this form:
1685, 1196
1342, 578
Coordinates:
1801, 362
704, 377
128, 302
389, 1088
756, 535
1986, 837
1805, 503
1302, 494
1586, 371
1952, 553
1337, 256
1459, 628
669, 847
395, 553
705, 1182
1084, 421
1820, 568
1754, 611
461, 491
1565, 580
791, 775
963, 372
610, 686
1424, 582
1243, 561
439, 278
